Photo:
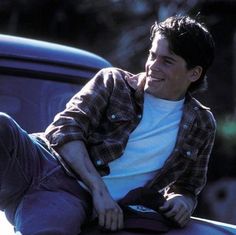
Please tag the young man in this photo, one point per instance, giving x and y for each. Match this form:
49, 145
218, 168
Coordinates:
120, 132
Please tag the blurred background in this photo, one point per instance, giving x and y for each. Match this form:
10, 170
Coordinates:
119, 31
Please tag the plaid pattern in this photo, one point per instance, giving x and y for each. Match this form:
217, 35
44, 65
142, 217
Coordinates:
109, 108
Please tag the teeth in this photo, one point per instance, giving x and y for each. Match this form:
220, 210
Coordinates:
155, 78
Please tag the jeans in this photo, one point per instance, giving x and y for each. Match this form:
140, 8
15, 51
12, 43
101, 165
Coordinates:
38, 197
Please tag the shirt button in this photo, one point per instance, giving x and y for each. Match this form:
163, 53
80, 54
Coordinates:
113, 116
189, 153
99, 162
139, 116
185, 126
196, 108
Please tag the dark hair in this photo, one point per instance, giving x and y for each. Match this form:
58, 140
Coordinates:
190, 40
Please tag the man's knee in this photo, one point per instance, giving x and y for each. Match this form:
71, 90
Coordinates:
8, 130
5, 124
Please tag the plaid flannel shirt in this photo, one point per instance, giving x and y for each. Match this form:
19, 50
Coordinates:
109, 107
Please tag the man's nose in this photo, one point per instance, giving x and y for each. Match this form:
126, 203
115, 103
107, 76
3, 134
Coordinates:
155, 64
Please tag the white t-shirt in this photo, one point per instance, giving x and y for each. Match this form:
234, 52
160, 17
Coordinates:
148, 147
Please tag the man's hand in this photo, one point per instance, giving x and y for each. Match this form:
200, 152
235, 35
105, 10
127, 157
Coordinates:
177, 209
110, 215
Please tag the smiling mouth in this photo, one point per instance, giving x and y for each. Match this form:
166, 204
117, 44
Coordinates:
153, 78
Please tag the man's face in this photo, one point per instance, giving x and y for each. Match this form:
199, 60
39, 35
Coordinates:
167, 76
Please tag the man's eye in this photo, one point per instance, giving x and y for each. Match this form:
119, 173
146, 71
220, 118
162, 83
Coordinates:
168, 62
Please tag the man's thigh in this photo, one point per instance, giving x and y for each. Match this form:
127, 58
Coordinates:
46, 212
23, 162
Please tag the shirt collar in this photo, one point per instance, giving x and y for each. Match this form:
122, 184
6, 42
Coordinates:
192, 102
137, 81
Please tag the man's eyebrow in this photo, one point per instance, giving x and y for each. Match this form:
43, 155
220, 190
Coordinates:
163, 56
168, 58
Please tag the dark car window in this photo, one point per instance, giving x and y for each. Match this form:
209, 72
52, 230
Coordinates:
34, 102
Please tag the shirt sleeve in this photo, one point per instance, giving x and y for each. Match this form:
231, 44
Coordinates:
192, 181
83, 112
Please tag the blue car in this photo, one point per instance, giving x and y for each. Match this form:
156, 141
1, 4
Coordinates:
37, 79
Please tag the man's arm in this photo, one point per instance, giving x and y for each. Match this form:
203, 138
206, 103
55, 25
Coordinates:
70, 130
181, 201
83, 112
110, 215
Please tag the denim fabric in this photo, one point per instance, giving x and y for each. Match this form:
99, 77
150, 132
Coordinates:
36, 194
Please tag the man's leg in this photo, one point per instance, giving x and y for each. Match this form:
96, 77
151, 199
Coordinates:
50, 213
29, 172
18, 161
57, 205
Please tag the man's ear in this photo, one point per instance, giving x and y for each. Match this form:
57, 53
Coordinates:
195, 73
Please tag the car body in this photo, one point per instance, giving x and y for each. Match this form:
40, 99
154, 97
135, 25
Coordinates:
196, 226
37, 79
